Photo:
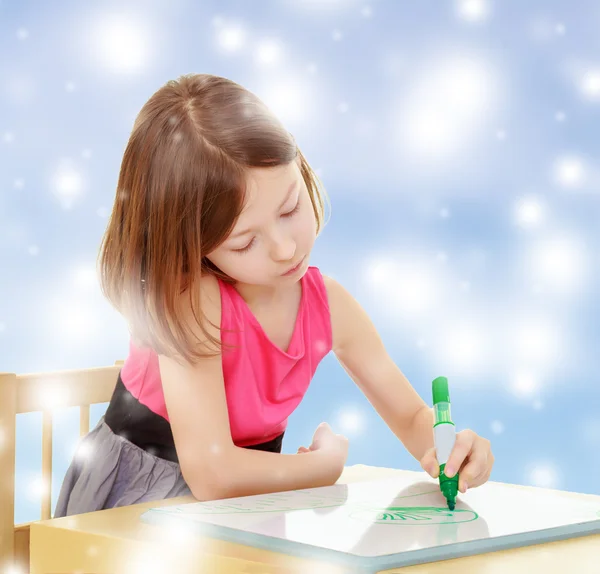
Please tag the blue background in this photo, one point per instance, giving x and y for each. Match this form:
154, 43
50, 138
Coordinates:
458, 145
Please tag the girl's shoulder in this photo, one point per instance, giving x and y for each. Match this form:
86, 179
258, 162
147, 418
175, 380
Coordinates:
206, 307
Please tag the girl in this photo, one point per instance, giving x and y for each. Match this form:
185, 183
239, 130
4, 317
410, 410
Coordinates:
207, 256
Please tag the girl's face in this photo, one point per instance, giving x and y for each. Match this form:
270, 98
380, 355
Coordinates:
274, 235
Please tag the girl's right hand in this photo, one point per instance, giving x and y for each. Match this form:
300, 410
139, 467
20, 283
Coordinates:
326, 441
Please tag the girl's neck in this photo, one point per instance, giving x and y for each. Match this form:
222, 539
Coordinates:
266, 295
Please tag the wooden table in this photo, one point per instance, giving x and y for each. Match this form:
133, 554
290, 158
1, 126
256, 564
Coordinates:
115, 541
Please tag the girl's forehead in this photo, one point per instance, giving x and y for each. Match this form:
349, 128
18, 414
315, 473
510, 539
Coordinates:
266, 186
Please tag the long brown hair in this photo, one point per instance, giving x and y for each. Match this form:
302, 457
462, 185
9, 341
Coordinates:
180, 190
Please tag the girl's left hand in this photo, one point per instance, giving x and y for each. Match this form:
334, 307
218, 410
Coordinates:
471, 456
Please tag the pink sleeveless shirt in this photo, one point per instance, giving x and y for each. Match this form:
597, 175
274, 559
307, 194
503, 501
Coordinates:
263, 383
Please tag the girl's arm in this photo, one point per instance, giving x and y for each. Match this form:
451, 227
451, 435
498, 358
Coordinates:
212, 466
361, 352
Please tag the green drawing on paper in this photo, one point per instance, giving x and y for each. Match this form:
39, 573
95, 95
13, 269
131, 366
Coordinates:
414, 515
392, 513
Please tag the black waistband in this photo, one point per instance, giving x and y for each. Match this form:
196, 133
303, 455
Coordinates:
132, 420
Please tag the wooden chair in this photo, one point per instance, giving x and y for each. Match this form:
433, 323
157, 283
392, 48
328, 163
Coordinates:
40, 392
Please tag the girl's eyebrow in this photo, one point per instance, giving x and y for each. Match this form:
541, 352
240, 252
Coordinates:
287, 196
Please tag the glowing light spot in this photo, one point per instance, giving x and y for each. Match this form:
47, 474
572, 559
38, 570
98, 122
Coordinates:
497, 427
120, 43
231, 38
319, 346
559, 263
446, 107
590, 431
464, 348
269, 52
19, 183
85, 277
53, 395
337, 35
351, 420
524, 384
289, 98
22, 33
473, 10
84, 451
67, 184
78, 320
38, 488
543, 476
590, 84
529, 212
569, 172
33, 250
537, 342
560, 116
410, 287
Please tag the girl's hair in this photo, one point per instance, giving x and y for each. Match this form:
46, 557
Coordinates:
180, 190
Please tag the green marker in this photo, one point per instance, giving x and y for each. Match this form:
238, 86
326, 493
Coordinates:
444, 433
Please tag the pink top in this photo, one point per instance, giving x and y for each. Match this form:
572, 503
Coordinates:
263, 383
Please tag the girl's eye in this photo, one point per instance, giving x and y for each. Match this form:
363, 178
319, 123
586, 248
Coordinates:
290, 213
246, 248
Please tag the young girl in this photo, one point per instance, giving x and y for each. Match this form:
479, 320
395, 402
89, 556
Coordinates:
207, 256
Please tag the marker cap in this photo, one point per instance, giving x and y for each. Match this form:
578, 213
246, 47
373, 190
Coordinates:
440, 390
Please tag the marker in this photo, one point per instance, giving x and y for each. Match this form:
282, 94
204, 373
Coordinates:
444, 433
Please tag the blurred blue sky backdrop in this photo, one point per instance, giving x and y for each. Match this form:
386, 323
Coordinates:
458, 142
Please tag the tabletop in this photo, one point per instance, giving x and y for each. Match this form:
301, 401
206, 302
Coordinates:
116, 540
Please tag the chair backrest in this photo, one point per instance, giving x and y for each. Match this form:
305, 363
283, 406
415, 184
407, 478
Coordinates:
41, 392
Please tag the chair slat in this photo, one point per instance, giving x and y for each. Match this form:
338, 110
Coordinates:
46, 464
40, 391
84, 420
8, 400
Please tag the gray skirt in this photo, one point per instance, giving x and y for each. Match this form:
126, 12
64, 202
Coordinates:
109, 471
